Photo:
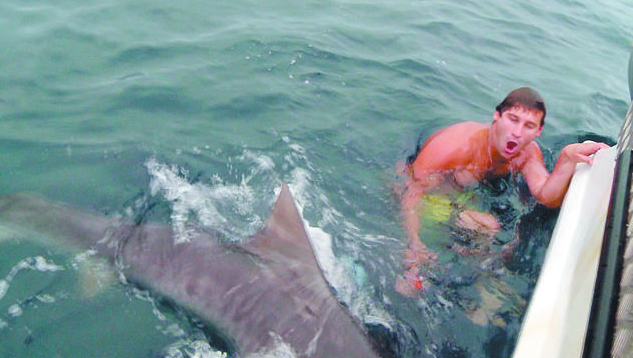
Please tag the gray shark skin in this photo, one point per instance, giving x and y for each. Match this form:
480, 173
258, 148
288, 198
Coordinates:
255, 293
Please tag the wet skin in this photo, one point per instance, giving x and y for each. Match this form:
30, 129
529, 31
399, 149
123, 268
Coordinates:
465, 153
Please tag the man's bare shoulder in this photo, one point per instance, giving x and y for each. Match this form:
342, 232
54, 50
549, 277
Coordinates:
450, 147
457, 135
462, 128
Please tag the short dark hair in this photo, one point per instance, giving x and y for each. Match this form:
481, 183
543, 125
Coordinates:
523, 97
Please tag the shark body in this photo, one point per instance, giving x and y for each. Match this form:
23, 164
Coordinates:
258, 293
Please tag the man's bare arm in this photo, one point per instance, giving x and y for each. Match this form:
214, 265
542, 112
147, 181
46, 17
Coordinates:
550, 189
411, 200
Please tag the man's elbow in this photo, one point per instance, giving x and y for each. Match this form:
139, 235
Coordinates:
551, 203
550, 199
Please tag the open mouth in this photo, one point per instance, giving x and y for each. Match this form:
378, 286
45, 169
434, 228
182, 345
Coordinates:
511, 146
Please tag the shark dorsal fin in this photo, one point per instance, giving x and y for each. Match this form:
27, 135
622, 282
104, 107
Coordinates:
284, 232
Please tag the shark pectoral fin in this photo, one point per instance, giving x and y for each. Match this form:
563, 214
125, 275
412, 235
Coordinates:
95, 274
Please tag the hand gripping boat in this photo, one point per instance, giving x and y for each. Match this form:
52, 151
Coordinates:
582, 305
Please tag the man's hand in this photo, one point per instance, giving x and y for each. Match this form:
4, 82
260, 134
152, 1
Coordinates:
417, 259
581, 152
550, 188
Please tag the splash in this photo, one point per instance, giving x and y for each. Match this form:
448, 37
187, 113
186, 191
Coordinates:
197, 202
224, 206
198, 347
192, 348
37, 263
279, 349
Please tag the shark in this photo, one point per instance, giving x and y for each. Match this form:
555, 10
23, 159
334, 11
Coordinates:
267, 289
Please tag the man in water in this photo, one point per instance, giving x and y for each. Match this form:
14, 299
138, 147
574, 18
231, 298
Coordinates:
465, 153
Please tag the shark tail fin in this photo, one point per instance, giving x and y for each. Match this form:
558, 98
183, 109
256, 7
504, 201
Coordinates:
38, 217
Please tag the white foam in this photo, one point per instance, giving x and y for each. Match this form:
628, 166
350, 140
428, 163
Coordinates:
45, 298
218, 204
334, 271
172, 329
41, 264
262, 162
279, 349
15, 310
207, 204
192, 348
342, 273
185, 198
37, 263
4, 287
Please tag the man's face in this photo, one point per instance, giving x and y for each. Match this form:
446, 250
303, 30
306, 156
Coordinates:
514, 129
